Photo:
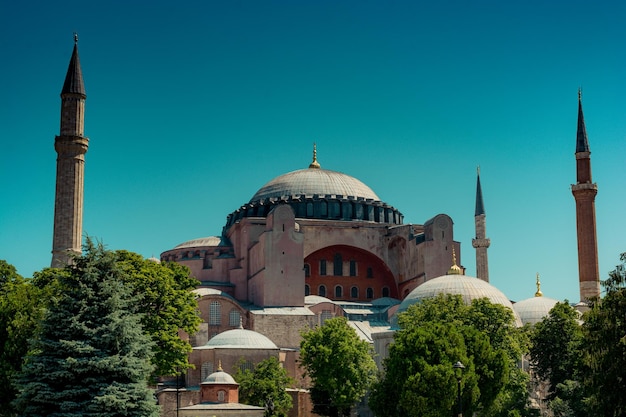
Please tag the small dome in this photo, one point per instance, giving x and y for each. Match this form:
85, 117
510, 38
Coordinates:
469, 288
533, 310
219, 377
314, 181
240, 339
316, 299
203, 241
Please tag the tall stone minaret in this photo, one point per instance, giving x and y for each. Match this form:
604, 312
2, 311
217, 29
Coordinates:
71, 146
585, 194
481, 242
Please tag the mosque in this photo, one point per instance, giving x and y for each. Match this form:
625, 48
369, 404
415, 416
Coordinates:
307, 246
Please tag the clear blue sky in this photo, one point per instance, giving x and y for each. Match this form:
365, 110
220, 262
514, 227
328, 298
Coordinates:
192, 107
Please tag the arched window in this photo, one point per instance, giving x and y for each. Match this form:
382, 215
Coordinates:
338, 265
234, 318
307, 290
246, 365
354, 292
385, 291
321, 291
307, 270
338, 291
215, 313
370, 293
370, 272
221, 395
326, 314
322, 266
352, 268
207, 369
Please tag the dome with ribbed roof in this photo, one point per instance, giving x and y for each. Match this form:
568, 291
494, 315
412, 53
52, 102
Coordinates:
469, 288
240, 339
203, 241
533, 310
314, 182
316, 193
220, 377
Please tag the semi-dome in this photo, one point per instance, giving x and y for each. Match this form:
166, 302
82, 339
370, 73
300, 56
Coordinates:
533, 310
469, 288
240, 339
314, 181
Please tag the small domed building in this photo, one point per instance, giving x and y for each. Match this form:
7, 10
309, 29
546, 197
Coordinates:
535, 309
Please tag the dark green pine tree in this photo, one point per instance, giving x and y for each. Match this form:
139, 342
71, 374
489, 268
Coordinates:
91, 357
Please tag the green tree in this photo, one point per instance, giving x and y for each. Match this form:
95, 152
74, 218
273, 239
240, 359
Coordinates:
604, 347
340, 365
167, 304
91, 357
555, 350
21, 309
419, 378
266, 386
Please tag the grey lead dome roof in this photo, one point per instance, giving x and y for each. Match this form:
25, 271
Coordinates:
468, 287
240, 339
314, 181
533, 310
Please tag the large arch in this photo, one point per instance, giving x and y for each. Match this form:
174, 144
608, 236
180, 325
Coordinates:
360, 268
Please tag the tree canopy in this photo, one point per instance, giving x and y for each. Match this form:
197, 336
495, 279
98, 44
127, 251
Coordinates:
266, 386
340, 365
21, 309
91, 357
419, 377
167, 304
604, 347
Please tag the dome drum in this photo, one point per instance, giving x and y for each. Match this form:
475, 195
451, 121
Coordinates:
328, 207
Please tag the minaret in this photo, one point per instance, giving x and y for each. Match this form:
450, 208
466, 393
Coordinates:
71, 147
481, 242
585, 194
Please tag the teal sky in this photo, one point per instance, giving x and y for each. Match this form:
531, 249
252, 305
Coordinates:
192, 107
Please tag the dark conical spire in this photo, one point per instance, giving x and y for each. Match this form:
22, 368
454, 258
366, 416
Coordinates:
480, 207
582, 145
74, 78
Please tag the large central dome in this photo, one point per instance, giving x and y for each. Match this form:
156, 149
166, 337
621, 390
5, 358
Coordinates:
314, 181
316, 193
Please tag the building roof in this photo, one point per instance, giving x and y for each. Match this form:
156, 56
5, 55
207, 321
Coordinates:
74, 77
239, 339
200, 242
533, 310
469, 288
220, 377
314, 181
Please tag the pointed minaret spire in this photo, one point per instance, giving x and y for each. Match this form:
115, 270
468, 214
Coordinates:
480, 242
582, 144
584, 192
71, 146
315, 164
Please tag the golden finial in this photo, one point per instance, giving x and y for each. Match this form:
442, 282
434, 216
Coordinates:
315, 164
580, 93
454, 269
478, 170
538, 293
75, 38
219, 366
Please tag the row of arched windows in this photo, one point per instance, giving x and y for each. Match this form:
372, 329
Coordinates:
215, 315
337, 268
354, 291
